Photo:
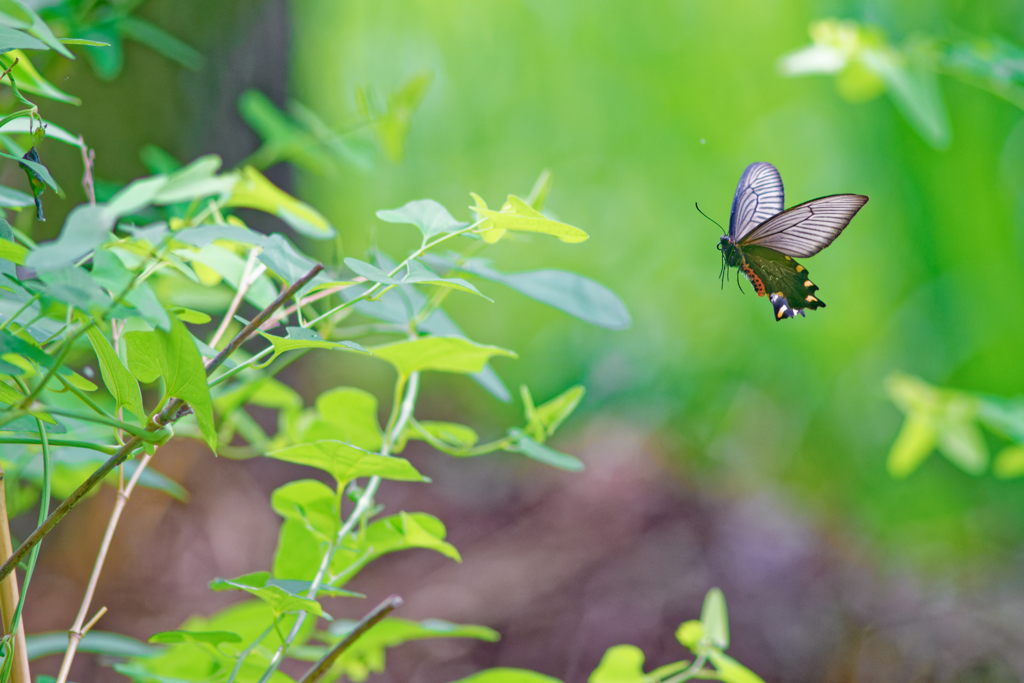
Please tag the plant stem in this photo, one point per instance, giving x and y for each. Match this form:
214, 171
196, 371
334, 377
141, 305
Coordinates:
9, 598
77, 631
171, 412
35, 298
404, 408
249, 276
416, 254
56, 441
365, 624
44, 507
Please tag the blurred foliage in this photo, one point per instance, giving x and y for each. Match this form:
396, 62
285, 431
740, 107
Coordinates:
642, 110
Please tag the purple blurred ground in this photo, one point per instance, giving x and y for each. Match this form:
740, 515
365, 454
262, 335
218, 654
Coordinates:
563, 565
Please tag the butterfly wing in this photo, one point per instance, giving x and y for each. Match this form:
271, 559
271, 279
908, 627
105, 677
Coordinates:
807, 228
758, 197
784, 281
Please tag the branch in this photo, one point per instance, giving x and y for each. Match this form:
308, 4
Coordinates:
364, 625
173, 411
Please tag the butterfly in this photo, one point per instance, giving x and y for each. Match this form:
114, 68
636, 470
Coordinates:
763, 239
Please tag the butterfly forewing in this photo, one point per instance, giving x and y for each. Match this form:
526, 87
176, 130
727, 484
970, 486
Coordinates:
758, 197
807, 228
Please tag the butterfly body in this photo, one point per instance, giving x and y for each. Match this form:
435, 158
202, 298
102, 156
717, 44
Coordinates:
763, 239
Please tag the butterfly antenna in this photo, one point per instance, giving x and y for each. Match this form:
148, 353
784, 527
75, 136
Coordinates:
709, 218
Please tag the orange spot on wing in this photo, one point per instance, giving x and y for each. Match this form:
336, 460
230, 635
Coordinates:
754, 279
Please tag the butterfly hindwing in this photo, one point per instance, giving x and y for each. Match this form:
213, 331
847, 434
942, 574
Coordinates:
783, 280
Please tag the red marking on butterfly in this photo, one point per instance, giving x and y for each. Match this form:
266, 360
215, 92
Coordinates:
754, 279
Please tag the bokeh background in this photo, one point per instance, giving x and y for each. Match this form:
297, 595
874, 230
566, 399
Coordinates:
722, 448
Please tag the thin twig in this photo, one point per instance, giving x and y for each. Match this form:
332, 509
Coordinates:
364, 625
172, 412
88, 159
249, 276
78, 631
285, 312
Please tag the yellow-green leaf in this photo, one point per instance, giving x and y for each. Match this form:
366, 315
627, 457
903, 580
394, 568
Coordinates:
445, 354
345, 462
254, 191
518, 215
916, 440
283, 344
119, 382
173, 355
29, 80
1009, 463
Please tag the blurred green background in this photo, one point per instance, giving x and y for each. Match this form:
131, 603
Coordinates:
640, 110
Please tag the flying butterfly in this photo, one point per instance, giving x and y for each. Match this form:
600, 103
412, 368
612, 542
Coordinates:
763, 239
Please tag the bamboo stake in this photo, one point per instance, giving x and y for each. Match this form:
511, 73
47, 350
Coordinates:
9, 596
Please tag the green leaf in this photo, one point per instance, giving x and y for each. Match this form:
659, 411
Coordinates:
444, 354
452, 434
1009, 463
1003, 416
109, 271
209, 637
543, 421
136, 195
300, 550
25, 18
279, 599
74, 286
84, 41
284, 344
913, 84
536, 451
152, 479
106, 62
119, 382
197, 180
254, 191
715, 618
86, 228
392, 127
12, 39
310, 502
731, 671
284, 139
959, 438
345, 462
391, 534
520, 216
37, 171
690, 633
349, 415
620, 664
570, 293
11, 397
539, 194
98, 642
367, 653
507, 675
29, 80
418, 274
426, 214
11, 198
174, 357
161, 41
228, 265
